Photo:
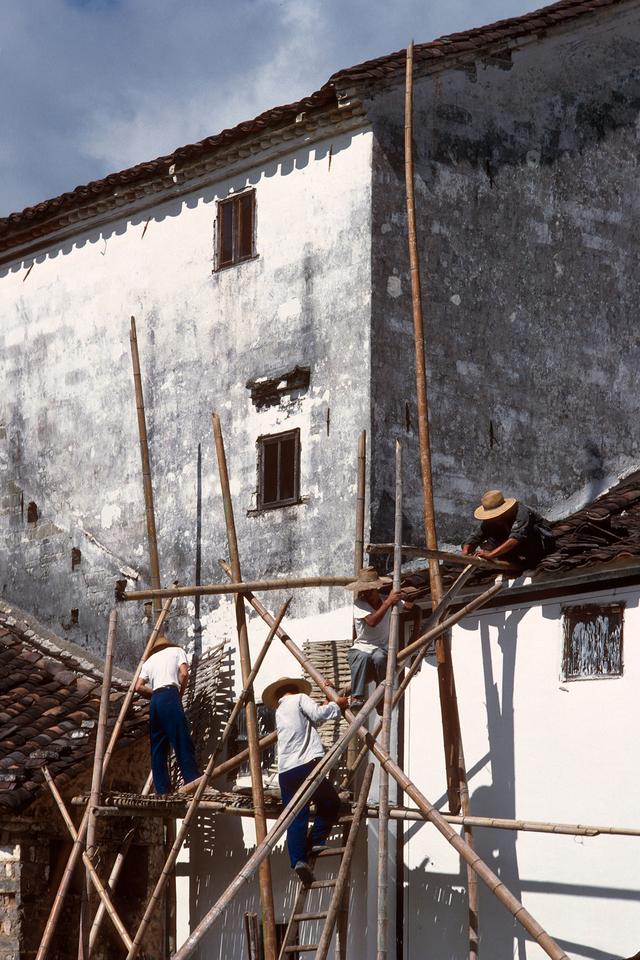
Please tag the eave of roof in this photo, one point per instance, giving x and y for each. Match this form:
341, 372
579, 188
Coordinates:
43, 219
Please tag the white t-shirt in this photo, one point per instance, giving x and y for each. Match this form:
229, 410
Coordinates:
369, 638
296, 719
161, 669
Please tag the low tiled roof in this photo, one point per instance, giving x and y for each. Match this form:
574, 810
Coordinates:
49, 704
439, 54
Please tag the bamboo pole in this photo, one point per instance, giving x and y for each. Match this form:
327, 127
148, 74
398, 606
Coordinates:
202, 784
102, 893
256, 586
152, 539
76, 849
116, 869
457, 788
96, 783
341, 888
264, 849
257, 789
447, 556
497, 887
383, 788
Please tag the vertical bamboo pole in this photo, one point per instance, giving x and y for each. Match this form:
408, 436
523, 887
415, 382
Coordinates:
96, 784
257, 789
76, 850
457, 788
383, 789
154, 564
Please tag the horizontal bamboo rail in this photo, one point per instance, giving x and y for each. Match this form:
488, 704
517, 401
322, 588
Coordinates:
254, 586
446, 556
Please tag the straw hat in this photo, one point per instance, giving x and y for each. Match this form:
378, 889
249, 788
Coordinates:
270, 694
159, 644
493, 504
368, 579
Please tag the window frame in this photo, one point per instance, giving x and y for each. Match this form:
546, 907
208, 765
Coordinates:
270, 439
234, 201
571, 616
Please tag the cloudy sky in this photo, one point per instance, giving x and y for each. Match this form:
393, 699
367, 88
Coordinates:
93, 86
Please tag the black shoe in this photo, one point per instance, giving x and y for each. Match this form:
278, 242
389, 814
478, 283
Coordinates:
305, 873
357, 703
317, 848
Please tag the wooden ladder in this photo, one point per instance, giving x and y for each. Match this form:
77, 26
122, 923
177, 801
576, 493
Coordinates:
338, 885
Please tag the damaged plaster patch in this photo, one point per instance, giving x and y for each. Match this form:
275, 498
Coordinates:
394, 287
455, 299
109, 513
289, 310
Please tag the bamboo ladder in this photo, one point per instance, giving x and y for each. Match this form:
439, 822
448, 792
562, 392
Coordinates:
338, 885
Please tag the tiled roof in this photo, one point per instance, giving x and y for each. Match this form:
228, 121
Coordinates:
127, 185
49, 703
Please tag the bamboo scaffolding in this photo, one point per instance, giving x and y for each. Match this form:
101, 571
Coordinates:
256, 586
383, 784
341, 888
265, 847
78, 843
202, 784
95, 879
96, 784
497, 887
257, 789
457, 788
446, 556
116, 870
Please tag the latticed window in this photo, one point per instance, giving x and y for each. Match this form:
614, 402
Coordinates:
236, 226
592, 642
278, 469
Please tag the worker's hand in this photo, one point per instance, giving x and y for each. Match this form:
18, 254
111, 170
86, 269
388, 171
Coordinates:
343, 702
485, 554
394, 597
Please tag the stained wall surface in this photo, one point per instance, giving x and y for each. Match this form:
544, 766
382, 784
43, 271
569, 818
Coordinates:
69, 444
527, 208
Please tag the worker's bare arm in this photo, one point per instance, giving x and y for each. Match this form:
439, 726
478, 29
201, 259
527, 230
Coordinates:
143, 689
183, 677
505, 547
374, 618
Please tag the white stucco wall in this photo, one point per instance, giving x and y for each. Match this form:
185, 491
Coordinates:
537, 748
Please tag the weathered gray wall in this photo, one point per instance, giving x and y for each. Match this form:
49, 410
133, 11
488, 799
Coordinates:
69, 435
528, 211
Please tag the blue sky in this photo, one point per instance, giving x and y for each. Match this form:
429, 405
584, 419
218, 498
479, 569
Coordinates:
94, 86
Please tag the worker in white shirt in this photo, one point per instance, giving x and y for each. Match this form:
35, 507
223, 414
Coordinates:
371, 617
299, 750
163, 679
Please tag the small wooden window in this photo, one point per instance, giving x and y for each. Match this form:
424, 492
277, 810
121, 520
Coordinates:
279, 469
592, 642
236, 223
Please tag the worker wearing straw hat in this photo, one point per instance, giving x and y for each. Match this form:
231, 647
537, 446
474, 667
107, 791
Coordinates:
163, 679
510, 530
299, 750
371, 617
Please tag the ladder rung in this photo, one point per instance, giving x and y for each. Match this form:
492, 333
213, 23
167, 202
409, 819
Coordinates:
331, 852
309, 916
301, 947
321, 883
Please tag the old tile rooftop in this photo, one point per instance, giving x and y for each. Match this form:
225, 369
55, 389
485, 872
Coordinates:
49, 703
494, 40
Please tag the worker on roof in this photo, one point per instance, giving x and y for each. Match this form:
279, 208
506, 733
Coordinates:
299, 750
163, 679
509, 530
367, 657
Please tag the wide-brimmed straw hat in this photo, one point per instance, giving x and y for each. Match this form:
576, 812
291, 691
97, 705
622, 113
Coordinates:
493, 504
368, 579
270, 694
159, 644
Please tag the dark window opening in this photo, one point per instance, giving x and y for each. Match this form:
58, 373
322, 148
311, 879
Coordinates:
74, 615
279, 469
592, 642
148, 609
76, 558
236, 225
32, 512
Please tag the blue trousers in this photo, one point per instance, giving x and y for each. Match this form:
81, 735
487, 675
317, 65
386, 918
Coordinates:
168, 727
363, 665
327, 804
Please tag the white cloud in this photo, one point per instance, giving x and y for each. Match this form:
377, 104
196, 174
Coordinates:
99, 85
